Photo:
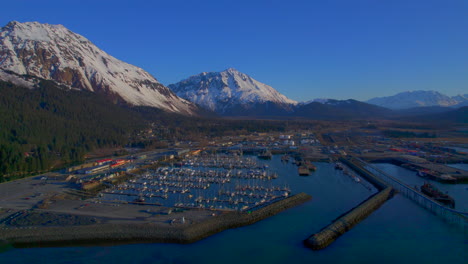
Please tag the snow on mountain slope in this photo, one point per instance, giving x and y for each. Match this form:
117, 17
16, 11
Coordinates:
224, 91
415, 99
16, 79
462, 100
53, 52
316, 100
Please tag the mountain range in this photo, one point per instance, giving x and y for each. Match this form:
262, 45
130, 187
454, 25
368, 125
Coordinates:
412, 99
31, 52
340, 110
232, 93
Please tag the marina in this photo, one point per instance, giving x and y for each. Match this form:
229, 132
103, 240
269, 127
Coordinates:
385, 225
208, 181
350, 173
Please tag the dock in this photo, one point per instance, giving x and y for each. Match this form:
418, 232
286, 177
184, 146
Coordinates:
434, 171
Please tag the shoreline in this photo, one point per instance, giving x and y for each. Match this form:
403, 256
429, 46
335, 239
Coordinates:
113, 234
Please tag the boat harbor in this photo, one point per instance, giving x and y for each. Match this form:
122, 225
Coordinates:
208, 181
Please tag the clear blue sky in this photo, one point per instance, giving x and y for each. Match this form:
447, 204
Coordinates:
305, 49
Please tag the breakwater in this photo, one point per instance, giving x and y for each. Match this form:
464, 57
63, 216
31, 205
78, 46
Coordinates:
341, 225
143, 233
344, 223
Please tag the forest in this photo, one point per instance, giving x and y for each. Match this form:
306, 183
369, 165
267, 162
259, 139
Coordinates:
43, 128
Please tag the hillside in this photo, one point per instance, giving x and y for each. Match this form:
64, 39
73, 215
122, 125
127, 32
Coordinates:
341, 110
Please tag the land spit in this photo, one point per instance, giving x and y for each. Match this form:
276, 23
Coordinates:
119, 233
345, 222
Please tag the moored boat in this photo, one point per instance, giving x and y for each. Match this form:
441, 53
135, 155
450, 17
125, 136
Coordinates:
310, 166
338, 166
303, 171
431, 191
265, 155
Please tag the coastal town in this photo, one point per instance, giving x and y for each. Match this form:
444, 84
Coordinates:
190, 183
233, 132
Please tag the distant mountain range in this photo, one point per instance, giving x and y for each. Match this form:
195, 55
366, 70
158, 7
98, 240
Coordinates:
413, 99
53, 52
330, 109
232, 93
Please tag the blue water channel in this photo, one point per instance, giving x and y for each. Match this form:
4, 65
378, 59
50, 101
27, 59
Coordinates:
399, 232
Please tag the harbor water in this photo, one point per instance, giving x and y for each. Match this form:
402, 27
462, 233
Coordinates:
398, 232
462, 166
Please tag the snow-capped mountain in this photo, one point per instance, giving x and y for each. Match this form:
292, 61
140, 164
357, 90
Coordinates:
417, 99
462, 100
231, 92
53, 52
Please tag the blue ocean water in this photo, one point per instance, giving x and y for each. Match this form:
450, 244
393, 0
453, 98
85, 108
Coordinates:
462, 166
399, 232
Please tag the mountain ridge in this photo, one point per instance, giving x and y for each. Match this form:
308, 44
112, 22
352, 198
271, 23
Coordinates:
330, 109
420, 98
53, 52
230, 92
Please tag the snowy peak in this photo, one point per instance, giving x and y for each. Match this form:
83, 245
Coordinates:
222, 91
34, 31
53, 52
251, 90
413, 99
